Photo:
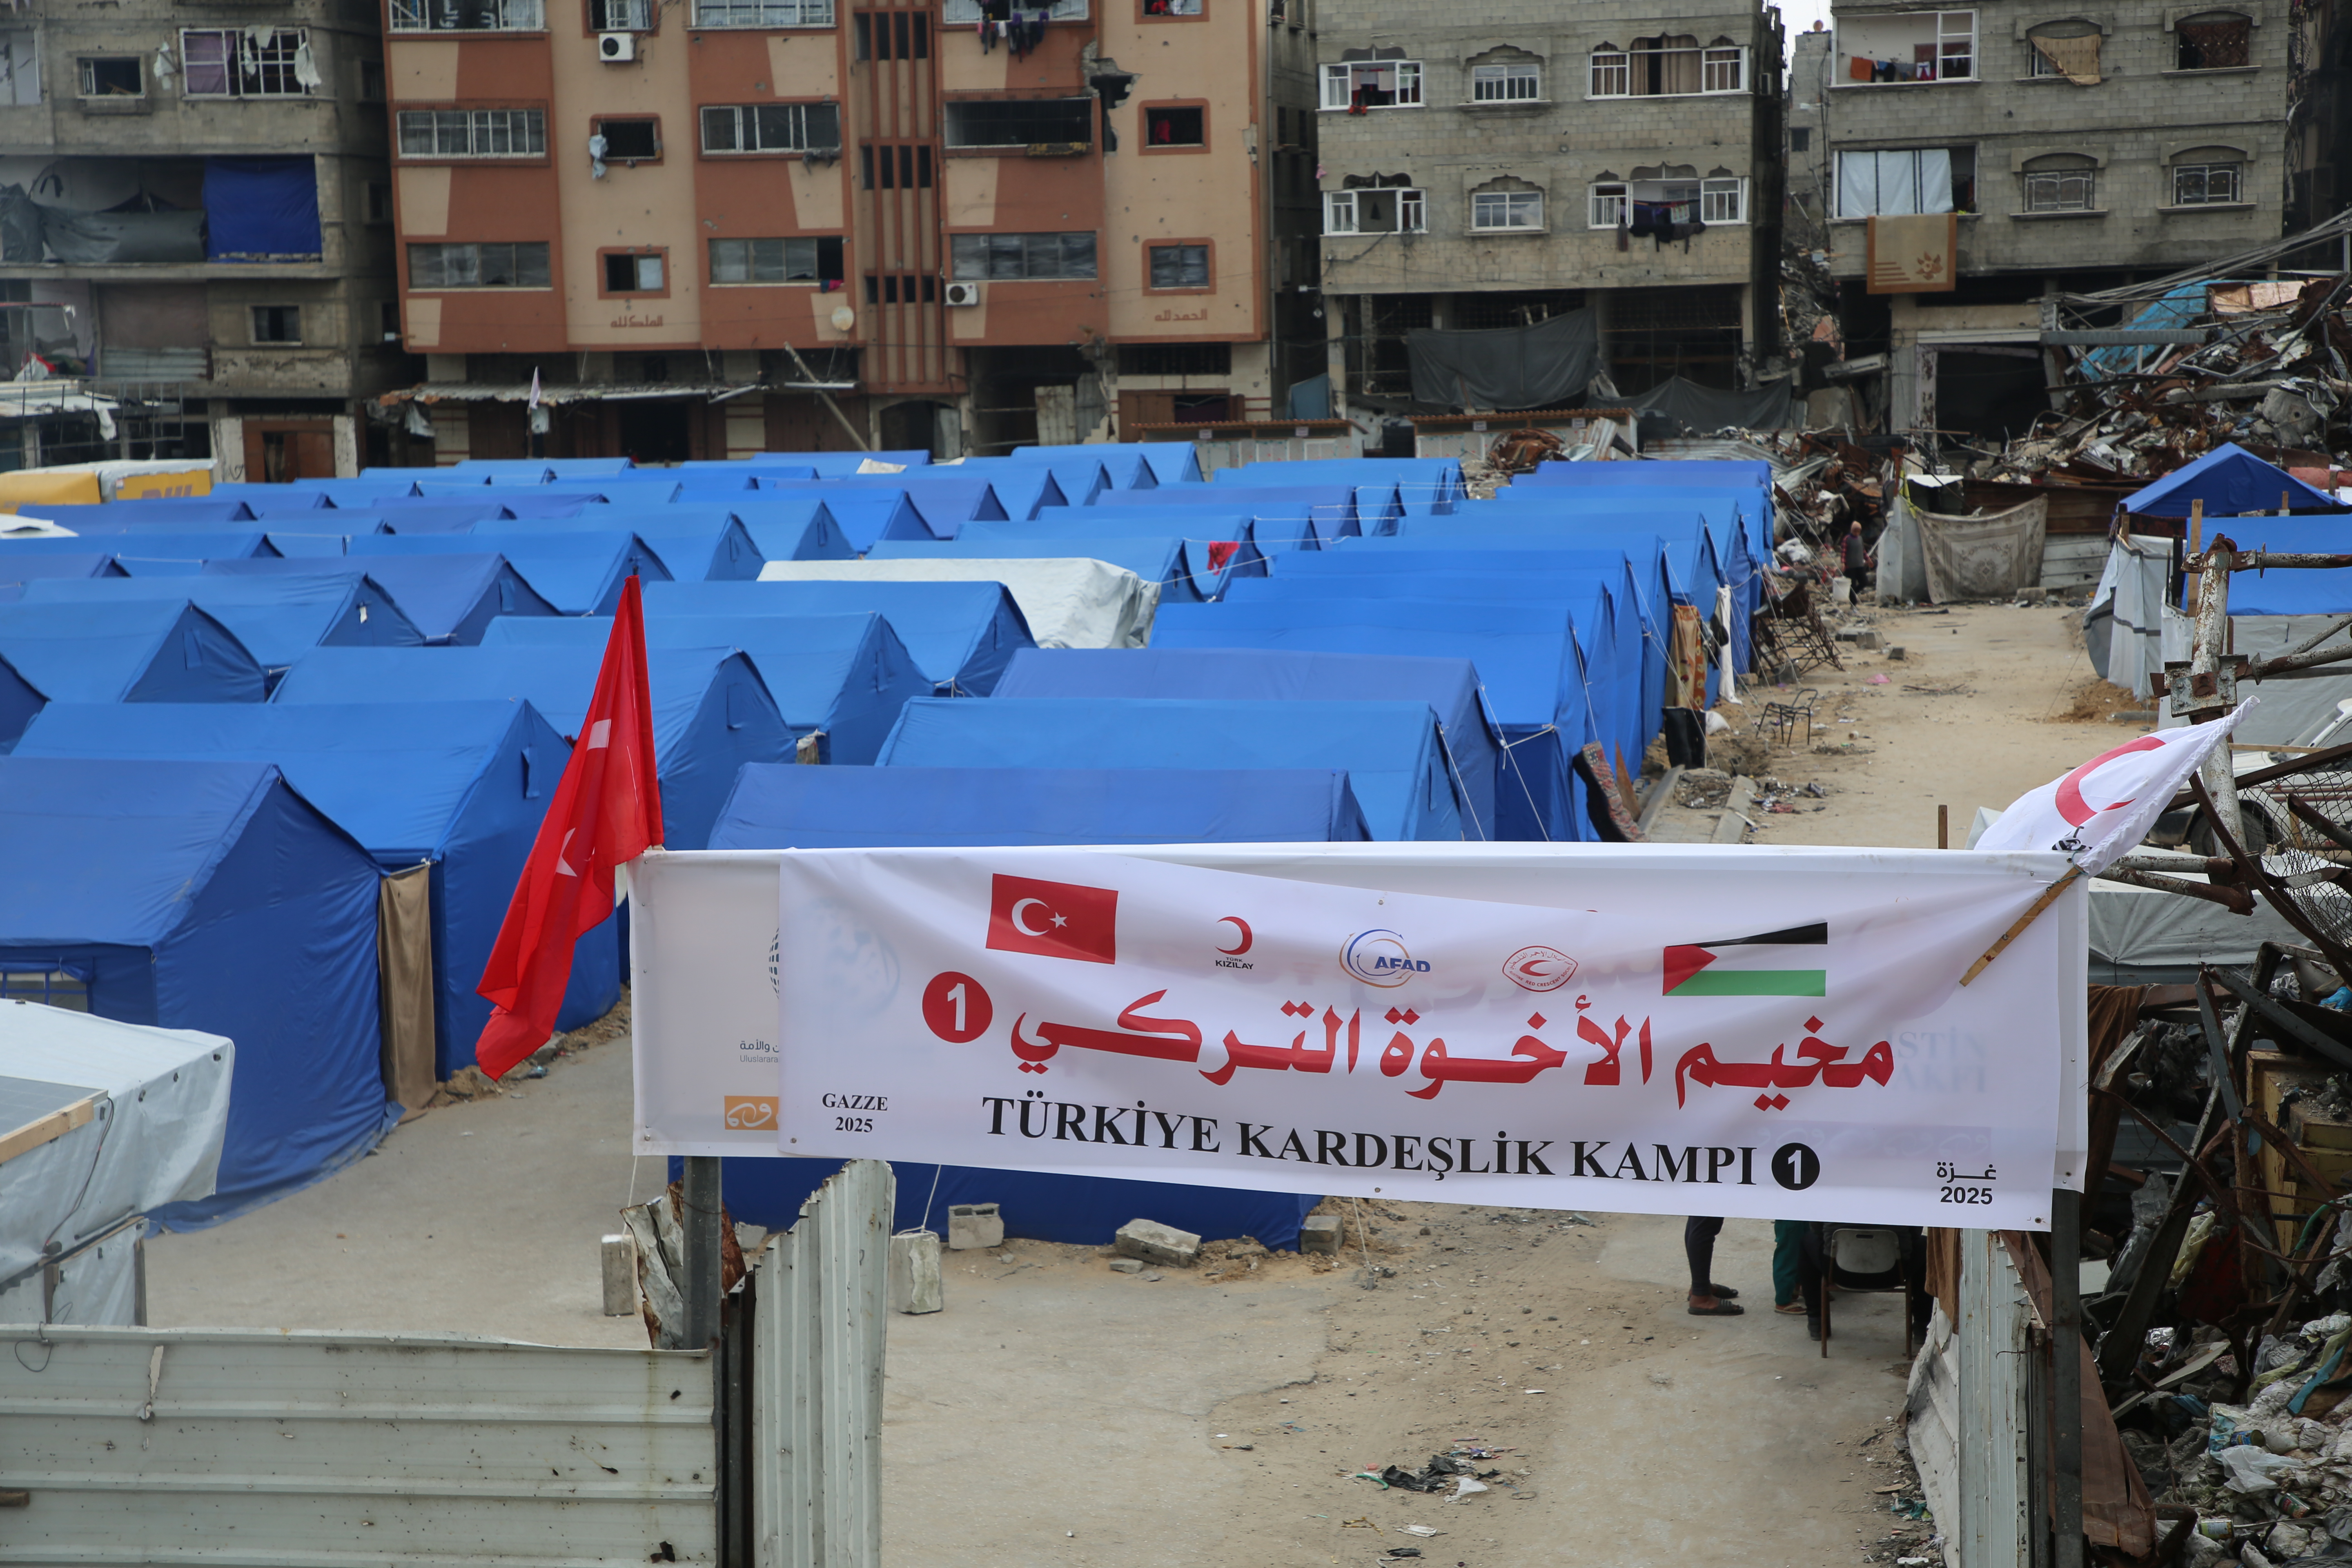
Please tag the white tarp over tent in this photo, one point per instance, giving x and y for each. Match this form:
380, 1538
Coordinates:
2123, 628
103, 1122
1068, 601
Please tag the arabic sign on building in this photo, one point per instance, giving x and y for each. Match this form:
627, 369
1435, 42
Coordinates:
1774, 1035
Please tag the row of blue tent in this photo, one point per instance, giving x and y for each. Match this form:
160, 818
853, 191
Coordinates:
1342, 650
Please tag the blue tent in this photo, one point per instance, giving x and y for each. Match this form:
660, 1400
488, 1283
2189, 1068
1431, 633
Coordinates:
1449, 685
1123, 468
862, 515
1170, 462
958, 634
278, 620
1423, 481
1391, 751
459, 785
710, 713
2232, 482
692, 545
141, 650
272, 501
547, 469
1527, 659
840, 464
1329, 509
182, 512
16, 570
435, 517
19, 700
293, 543
135, 547
1270, 535
209, 895
1028, 490
522, 502
795, 528
842, 679
579, 573
449, 599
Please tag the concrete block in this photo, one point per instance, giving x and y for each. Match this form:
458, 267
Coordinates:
1157, 1242
1127, 1266
1870, 641
915, 1284
620, 1256
1319, 1233
973, 1225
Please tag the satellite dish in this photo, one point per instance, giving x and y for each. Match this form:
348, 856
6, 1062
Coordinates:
843, 318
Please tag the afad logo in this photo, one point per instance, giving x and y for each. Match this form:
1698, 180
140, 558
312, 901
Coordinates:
1379, 958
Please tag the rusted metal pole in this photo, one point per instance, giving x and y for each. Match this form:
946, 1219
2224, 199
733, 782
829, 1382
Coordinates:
2207, 648
699, 1289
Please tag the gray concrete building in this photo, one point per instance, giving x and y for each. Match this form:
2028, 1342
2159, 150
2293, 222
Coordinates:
2077, 149
1499, 163
195, 235
1808, 158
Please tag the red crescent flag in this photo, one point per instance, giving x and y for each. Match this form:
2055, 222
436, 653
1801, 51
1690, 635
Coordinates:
606, 812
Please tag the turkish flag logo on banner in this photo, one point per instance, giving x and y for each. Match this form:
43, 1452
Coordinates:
1053, 920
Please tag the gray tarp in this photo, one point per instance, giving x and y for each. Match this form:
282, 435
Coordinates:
2123, 628
2290, 711
123, 236
1702, 410
1988, 557
20, 226
1542, 366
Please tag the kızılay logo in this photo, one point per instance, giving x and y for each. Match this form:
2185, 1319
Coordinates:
1379, 958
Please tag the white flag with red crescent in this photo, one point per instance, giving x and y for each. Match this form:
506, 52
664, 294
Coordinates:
2100, 811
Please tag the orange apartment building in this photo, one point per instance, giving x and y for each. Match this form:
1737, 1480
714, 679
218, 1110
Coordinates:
964, 224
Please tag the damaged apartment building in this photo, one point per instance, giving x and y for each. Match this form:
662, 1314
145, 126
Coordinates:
1972, 163
195, 235
1606, 178
704, 228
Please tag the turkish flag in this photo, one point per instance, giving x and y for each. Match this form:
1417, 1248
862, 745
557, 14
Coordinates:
1053, 920
606, 812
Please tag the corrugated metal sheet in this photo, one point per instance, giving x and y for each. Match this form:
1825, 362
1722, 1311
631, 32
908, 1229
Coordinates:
816, 1417
230, 1447
1968, 1414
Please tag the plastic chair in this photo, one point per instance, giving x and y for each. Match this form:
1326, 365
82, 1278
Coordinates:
1858, 1251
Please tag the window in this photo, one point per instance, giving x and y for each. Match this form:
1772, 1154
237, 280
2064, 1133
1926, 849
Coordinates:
387, 320
371, 82
1382, 210
1722, 200
902, 167
628, 141
1801, 139
969, 11
1605, 204
1175, 359
1179, 266
469, 15
620, 15
1020, 121
764, 12
1015, 256
1672, 65
117, 75
2069, 49
772, 128
1372, 84
1907, 181
2064, 182
233, 63
375, 202
2211, 181
775, 260
633, 271
276, 323
56, 988
1506, 211
1513, 83
891, 36
1175, 126
1171, 7
901, 289
473, 133
1909, 46
20, 68
486, 266
2215, 41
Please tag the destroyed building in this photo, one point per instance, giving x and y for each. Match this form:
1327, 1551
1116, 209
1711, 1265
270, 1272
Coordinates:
733, 226
195, 235
1616, 170
1984, 158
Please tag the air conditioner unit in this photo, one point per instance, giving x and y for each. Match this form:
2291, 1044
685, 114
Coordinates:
616, 48
963, 293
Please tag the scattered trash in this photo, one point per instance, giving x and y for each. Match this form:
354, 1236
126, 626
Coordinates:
1431, 1477
1422, 1530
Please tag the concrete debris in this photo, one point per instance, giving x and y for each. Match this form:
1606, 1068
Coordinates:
1319, 1233
1156, 1242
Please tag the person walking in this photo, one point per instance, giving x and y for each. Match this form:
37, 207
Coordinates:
1707, 1298
1788, 1243
1857, 560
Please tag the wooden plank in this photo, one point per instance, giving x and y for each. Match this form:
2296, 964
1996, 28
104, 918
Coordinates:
47, 1129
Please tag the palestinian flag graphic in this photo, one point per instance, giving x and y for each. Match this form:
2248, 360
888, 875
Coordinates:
1749, 965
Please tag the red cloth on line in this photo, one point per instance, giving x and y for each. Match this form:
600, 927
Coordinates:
1221, 550
606, 812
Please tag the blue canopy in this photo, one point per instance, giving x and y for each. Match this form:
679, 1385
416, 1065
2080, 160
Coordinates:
448, 598
1391, 751
862, 515
16, 570
1449, 685
139, 651
1423, 481
2232, 482
840, 678
960, 634
792, 527
144, 547
710, 713
209, 895
1123, 468
19, 700
579, 573
1270, 535
459, 785
272, 501
278, 619
1331, 509
186, 513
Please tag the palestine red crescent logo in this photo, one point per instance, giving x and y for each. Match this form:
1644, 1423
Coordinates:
1539, 969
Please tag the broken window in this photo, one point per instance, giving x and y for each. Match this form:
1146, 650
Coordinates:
2064, 182
772, 128
2209, 177
1011, 256
629, 140
1902, 181
2070, 49
469, 15
478, 265
120, 75
1908, 46
1360, 85
246, 62
1376, 210
1185, 127
2215, 41
1179, 266
20, 68
1019, 121
472, 133
633, 271
276, 323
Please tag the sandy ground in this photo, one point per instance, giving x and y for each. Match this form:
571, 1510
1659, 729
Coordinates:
1059, 1413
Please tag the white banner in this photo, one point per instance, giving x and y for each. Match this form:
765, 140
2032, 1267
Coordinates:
1774, 1034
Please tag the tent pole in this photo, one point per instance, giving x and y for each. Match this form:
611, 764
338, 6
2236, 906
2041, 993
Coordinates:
701, 1286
